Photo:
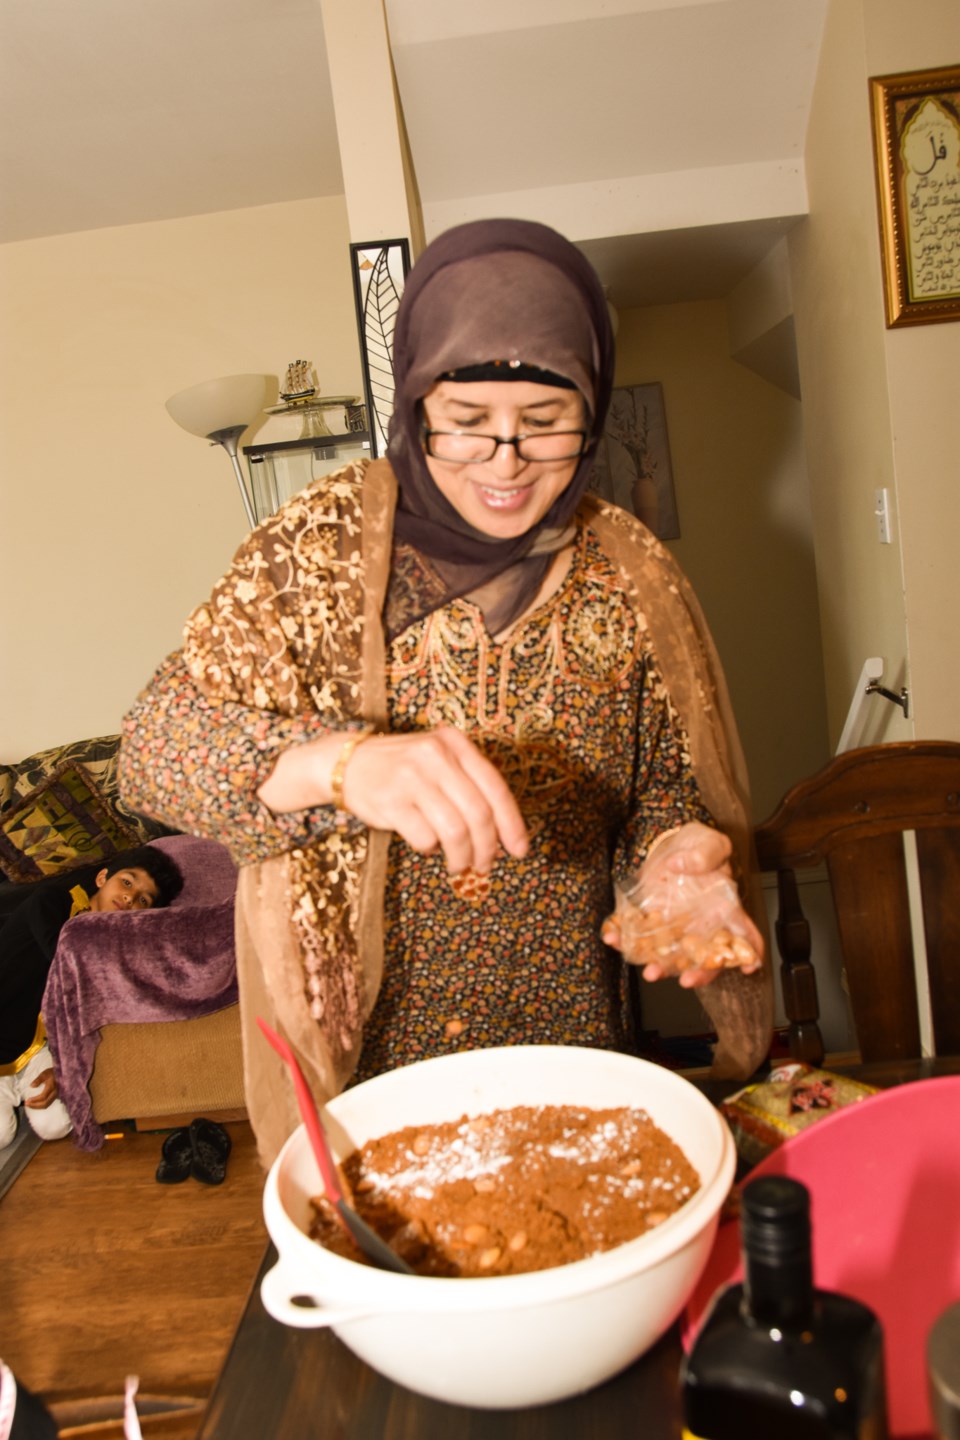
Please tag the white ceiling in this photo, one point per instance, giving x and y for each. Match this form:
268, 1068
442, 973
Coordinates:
115, 112
623, 89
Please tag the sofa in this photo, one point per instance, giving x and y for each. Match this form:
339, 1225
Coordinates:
174, 967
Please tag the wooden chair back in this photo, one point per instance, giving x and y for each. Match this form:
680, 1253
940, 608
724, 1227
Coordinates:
851, 816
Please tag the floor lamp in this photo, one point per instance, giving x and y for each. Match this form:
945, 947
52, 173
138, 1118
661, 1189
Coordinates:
220, 411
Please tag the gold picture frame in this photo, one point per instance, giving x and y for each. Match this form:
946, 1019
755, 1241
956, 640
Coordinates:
916, 132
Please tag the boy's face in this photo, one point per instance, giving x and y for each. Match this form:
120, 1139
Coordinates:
131, 889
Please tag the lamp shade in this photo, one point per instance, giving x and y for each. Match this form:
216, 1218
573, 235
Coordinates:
230, 403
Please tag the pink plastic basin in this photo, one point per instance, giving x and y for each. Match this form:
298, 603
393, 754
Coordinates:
884, 1179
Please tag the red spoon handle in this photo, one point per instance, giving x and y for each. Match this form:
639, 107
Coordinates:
308, 1113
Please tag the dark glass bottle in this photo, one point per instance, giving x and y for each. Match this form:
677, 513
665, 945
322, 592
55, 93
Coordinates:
777, 1359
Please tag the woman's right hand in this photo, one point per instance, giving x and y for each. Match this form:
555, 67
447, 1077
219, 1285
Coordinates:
434, 788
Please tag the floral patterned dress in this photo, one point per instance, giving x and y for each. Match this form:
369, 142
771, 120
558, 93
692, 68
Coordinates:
606, 709
571, 709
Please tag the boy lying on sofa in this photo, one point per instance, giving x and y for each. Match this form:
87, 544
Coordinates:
138, 879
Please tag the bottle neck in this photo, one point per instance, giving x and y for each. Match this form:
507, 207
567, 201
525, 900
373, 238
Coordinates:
779, 1293
778, 1268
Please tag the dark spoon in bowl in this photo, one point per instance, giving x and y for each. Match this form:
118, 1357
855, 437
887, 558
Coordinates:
367, 1238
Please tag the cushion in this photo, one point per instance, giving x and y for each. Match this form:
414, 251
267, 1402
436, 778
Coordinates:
209, 874
66, 821
8, 775
182, 1067
98, 756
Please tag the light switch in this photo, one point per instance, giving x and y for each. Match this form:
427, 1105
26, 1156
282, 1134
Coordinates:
881, 508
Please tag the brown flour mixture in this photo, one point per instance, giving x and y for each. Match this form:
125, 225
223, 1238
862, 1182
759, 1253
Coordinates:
513, 1191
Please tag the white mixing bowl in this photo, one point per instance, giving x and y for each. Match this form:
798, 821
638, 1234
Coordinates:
511, 1340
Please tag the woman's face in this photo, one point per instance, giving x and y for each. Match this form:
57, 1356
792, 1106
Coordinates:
504, 496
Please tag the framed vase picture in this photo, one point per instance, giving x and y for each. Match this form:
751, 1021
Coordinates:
379, 273
633, 468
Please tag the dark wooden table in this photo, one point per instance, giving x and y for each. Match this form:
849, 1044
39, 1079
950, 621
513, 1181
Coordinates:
286, 1384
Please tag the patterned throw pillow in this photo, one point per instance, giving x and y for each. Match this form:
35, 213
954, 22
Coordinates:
66, 821
98, 756
7, 777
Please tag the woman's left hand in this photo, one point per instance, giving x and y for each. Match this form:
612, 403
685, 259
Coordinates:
694, 850
48, 1091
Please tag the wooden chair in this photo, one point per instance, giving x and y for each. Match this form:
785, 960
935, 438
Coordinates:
852, 816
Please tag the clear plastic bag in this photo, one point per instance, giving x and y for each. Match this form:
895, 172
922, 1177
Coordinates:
684, 922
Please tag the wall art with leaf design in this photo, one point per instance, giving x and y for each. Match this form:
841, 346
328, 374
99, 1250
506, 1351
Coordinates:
379, 271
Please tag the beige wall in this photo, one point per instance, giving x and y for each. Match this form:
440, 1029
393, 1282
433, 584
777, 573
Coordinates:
114, 521
880, 406
923, 369
746, 543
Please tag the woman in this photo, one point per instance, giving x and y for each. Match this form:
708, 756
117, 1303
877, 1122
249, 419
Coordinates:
441, 702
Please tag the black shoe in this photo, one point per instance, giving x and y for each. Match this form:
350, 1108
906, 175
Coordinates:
177, 1152
211, 1146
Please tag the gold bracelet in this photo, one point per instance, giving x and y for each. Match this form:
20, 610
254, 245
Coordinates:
340, 770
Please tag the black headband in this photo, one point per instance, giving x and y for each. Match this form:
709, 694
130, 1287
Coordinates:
508, 370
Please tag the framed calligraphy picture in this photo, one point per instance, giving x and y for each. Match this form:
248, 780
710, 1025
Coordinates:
916, 130
633, 468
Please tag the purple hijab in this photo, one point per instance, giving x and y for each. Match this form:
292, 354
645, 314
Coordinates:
493, 291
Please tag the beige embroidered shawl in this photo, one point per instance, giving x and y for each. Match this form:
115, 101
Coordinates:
295, 625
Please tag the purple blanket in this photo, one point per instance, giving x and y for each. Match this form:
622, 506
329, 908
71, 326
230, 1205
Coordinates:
170, 964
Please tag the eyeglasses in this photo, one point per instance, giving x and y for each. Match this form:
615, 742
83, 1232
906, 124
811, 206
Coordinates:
463, 446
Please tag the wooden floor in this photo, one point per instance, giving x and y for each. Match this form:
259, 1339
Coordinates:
105, 1273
